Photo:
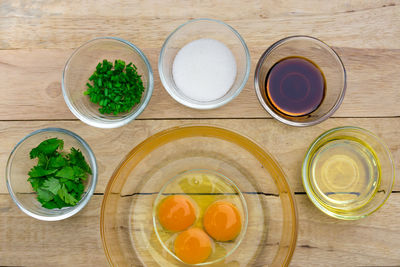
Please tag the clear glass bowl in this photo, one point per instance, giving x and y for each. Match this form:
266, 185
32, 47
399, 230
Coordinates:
81, 65
19, 164
197, 29
199, 186
126, 220
319, 53
369, 144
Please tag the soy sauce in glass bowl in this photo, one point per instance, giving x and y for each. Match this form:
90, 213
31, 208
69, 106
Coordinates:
300, 81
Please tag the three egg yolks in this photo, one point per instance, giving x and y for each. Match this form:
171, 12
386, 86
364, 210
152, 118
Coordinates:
176, 213
193, 246
222, 221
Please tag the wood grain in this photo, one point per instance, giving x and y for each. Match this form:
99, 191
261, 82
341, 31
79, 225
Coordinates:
37, 24
30, 242
287, 144
322, 241
126, 8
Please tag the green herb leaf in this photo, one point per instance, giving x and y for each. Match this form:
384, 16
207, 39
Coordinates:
42, 160
76, 157
35, 182
79, 173
44, 195
60, 203
52, 184
57, 162
38, 171
47, 147
66, 172
66, 197
50, 205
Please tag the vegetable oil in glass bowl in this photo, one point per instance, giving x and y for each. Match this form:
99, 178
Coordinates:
344, 173
348, 173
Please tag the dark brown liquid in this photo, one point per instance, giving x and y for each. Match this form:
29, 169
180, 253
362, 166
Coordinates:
295, 86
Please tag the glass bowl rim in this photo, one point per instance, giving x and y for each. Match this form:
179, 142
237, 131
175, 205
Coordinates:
118, 122
86, 197
306, 182
191, 130
205, 106
275, 115
242, 201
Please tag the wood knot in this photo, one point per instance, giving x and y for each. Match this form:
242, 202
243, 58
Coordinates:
53, 90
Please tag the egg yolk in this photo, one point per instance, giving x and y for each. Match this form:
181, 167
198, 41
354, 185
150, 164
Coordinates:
176, 213
193, 246
222, 221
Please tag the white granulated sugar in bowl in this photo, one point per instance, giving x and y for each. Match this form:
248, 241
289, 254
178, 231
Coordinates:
204, 69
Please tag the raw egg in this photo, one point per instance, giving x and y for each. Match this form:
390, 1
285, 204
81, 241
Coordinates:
176, 213
222, 221
193, 246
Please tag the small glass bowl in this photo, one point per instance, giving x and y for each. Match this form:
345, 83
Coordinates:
319, 53
381, 183
197, 29
19, 164
193, 184
81, 65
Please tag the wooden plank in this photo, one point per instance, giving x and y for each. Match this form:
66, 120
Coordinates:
35, 77
126, 8
325, 241
41, 25
322, 240
287, 144
30, 242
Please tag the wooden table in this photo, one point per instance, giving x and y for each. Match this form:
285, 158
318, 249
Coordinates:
36, 38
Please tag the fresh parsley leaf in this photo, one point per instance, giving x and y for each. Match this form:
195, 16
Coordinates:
60, 203
66, 197
71, 186
66, 172
35, 182
57, 162
76, 188
47, 147
52, 184
42, 161
38, 171
76, 157
50, 204
79, 173
44, 195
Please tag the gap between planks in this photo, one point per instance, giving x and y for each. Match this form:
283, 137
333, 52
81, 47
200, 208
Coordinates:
205, 118
246, 193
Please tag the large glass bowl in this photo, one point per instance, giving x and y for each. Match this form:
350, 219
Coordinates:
19, 164
81, 65
197, 29
126, 220
383, 180
323, 56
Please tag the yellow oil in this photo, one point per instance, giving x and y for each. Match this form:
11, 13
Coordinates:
344, 174
203, 187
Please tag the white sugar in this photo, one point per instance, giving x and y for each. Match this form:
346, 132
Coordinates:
204, 69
